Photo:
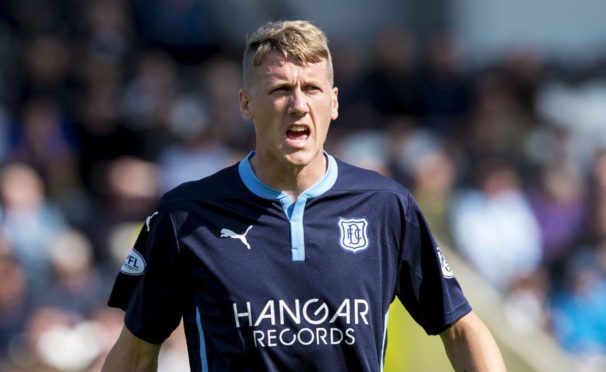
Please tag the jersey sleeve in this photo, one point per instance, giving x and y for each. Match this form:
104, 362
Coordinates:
149, 285
426, 285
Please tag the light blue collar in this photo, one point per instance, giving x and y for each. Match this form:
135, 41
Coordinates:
257, 187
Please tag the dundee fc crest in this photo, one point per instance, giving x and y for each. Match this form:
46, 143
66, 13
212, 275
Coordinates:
354, 237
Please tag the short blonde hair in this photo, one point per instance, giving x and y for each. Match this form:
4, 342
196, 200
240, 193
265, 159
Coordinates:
299, 40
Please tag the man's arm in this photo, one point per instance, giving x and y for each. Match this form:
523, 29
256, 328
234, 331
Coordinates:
131, 353
471, 347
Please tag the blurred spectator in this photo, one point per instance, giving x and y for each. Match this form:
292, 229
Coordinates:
149, 94
29, 222
44, 141
14, 301
102, 135
46, 70
58, 340
390, 84
444, 93
184, 28
197, 152
76, 286
522, 68
220, 80
494, 228
108, 30
548, 144
579, 306
527, 304
581, 110
131, 188
559, 207
494, 129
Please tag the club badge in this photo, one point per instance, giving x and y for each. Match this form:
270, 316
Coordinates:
354, 237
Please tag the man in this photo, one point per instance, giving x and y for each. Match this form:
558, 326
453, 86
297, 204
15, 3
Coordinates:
290, 259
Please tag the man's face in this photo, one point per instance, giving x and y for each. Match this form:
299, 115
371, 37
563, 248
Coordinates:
291, 106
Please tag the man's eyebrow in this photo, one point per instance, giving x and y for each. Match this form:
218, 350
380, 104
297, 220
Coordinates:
279, 84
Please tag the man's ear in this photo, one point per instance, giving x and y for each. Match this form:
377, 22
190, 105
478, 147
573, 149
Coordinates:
245, 105
335, 103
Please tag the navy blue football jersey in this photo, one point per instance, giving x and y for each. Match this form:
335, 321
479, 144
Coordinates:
263, 283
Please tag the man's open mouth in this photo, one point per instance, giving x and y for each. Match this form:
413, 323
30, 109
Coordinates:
297, 132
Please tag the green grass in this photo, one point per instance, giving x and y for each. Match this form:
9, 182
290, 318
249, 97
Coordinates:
409, 348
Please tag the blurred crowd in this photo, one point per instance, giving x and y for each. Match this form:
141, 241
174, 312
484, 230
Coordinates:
106, 104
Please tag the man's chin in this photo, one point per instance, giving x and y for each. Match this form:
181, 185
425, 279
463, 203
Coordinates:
296, 162
303, 159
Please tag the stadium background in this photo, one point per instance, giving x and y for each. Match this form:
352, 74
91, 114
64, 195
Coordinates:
492, 113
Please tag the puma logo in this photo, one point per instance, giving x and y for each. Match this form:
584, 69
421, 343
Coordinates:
227, 233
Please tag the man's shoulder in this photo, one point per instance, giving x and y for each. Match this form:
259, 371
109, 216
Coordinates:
353, 177
223, 182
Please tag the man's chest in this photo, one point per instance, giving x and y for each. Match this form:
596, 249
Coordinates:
330, 250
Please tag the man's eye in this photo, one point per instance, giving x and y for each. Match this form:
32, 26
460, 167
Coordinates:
312, 88
279, 89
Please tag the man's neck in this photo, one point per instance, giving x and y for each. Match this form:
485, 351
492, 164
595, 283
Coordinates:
291, 180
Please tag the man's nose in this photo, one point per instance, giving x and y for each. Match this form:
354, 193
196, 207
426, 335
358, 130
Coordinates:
298, 102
